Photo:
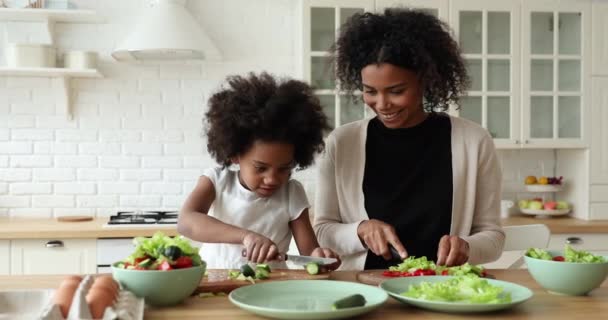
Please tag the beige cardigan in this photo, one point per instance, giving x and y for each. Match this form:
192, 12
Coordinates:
339, 202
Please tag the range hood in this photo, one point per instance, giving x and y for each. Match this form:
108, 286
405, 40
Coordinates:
167, 31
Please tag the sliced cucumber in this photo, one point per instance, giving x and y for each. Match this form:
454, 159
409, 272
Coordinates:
312, 268
261, 274
263, 266
356, 300
247, 270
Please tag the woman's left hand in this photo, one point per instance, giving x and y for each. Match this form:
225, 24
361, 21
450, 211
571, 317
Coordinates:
453, 251
327, 253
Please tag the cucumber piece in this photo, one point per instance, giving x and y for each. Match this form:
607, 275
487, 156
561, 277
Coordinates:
145, 263
247, 270
261, 273
355, 300
312, 268
263, 266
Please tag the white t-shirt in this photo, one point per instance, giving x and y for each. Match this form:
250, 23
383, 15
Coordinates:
269, 216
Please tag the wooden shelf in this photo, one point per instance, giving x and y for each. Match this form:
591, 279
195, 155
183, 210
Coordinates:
50, 72
74, 16
61, 78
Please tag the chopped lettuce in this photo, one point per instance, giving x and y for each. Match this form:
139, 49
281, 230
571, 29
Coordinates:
570, 255
412, 264
462, 289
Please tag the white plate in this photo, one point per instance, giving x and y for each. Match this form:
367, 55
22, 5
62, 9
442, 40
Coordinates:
544, 187
534, 212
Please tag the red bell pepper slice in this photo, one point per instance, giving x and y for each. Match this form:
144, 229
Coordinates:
183, 262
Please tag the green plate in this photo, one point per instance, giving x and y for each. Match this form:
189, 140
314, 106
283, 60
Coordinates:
395, 287
305, 299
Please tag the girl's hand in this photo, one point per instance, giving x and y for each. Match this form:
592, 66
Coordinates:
327, 253
377, 236
453, 251
259, 248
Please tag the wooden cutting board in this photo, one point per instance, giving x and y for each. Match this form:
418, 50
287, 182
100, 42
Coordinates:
217, 279
375, 277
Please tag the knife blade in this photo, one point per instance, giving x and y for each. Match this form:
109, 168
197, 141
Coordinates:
303, 260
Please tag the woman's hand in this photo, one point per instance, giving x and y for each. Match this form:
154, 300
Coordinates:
453, 251
327, 253
378, 235
259, 248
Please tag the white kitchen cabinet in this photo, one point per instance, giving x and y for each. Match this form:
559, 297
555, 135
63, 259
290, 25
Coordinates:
556, 65
53, 256
530, 64
5, 257
599, 44
489, 36
599, 137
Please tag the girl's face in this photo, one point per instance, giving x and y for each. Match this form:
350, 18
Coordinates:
266, 166
394, 93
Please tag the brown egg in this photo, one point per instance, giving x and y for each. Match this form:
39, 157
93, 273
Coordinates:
108, 285
65, 293
98, 299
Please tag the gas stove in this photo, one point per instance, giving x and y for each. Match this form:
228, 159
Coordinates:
142, 218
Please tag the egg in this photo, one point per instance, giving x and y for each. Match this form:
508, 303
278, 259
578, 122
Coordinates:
106, 286
65, 293
108, 282
98, 299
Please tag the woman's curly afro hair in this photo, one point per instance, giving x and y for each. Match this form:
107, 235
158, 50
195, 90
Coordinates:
260, 107
410, 39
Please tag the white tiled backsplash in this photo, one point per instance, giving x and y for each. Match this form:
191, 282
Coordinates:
135, 140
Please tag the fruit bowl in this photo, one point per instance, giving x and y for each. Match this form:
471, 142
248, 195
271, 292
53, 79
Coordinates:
542, 212
544, 187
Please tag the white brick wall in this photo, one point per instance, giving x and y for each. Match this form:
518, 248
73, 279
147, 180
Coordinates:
135, 141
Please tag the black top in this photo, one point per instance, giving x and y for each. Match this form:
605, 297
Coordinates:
407, 183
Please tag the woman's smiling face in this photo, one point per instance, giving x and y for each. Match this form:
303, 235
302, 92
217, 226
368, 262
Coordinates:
394, 93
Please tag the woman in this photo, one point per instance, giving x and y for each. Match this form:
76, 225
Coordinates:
423, 182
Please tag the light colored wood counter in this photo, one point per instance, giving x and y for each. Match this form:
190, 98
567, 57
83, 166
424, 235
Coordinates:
541, 306
562, 224
45, 228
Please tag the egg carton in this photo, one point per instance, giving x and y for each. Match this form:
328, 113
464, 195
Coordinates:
127, 306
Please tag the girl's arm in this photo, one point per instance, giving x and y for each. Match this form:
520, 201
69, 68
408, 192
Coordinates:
194, 222
303, 234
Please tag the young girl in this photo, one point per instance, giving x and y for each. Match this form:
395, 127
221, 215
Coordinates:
267, 127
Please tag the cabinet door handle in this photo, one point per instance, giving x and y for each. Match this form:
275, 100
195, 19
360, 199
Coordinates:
574, 240
54, 244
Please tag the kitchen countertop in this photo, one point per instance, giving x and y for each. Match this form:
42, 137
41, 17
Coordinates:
46, 228
562, 224
542, 305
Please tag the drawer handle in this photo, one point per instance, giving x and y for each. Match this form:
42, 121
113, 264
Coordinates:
574, 240
54, 244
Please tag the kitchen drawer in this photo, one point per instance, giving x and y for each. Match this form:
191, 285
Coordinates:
583, 241
53, 256
113, 250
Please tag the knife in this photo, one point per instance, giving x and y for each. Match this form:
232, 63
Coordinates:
303, 260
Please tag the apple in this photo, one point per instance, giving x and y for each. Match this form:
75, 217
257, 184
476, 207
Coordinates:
535, 205
523, 204
563, 205
550, 205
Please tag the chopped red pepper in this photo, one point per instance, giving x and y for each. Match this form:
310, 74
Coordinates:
559, 258
183, 262
393, 274
445, 273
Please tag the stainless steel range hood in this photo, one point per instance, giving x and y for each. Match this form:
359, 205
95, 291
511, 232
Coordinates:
167, 32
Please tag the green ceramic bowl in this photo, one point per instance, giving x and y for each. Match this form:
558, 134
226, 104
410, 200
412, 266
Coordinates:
160, 288
568, 278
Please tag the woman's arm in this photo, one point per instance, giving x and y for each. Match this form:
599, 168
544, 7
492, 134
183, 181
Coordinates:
194, 222
330, 228
486, 239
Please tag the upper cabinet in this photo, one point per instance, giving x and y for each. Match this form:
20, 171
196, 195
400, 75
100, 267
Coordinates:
530, 86
529, 63
556, 64
489, 37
